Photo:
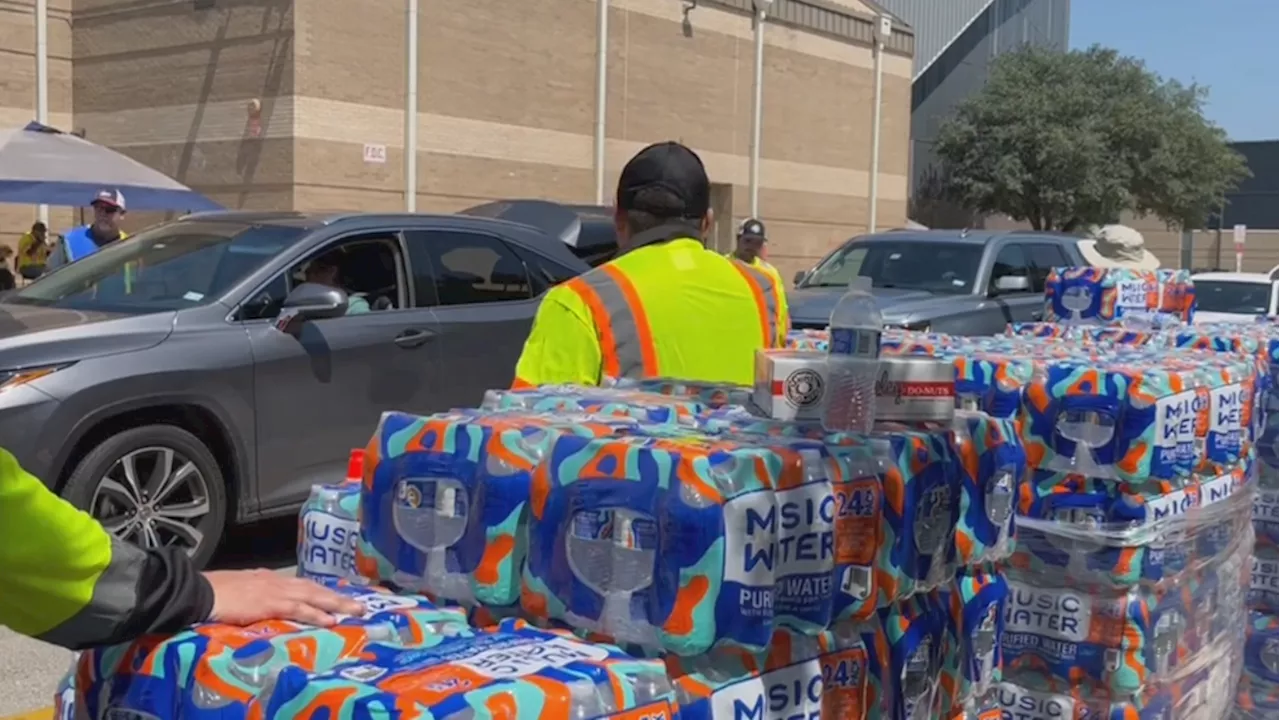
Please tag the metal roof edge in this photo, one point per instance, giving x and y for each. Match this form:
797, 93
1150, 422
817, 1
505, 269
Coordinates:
923, 68
859, 28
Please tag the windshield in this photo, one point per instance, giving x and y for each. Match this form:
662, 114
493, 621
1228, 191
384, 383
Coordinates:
936, 267
168, 267
1244, 298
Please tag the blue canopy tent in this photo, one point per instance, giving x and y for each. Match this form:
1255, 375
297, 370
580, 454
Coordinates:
40, 165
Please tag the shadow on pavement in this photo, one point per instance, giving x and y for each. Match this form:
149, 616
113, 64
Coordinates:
268, 544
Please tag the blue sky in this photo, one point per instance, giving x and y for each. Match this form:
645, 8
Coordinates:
1228, 45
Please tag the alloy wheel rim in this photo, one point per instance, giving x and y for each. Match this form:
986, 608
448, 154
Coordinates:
153, 497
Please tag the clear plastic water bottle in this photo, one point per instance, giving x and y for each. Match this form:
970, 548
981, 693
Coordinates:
853, 360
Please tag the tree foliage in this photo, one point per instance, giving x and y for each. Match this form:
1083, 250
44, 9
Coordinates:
1067, 140
932, 204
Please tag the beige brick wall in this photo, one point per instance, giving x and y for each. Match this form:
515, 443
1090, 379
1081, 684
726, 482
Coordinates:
18, 90
532, 93
506, 105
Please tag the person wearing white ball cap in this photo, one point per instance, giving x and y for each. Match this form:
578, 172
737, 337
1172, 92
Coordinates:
1118, 246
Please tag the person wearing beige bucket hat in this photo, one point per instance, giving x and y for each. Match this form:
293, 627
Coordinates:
1117, 246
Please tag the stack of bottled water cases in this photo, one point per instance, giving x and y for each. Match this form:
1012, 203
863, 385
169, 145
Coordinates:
1135, 575
1257, 693
775, 570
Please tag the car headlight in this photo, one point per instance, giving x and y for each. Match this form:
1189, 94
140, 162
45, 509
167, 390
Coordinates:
21, 376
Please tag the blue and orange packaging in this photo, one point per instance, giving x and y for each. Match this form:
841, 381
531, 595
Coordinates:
859, 528
915, 631
1078, 634
975, 606
1117, 421
802, 339
513, 673
1096, 531
215, 671
1031, 699
673, 542
1263, 594
647, 407
1266, 517
328, 531
991, 382
711, 395
729, 421
920, 491
991, 463
1090, 294
799, 676
1258, 692
445, 499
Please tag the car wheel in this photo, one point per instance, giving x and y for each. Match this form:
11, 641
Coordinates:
154, 486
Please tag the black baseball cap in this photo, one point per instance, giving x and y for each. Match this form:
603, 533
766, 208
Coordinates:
666, 180
751, 228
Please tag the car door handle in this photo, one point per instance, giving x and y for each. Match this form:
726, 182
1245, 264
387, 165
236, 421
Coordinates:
413, 338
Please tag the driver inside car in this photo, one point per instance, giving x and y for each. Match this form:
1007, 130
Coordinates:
324, 270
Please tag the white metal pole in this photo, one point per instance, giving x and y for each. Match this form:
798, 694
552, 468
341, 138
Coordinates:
602, 94
411, 109
757, 113
874, 189
42, 78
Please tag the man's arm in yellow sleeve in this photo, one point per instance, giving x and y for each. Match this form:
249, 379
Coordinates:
68, 582
563, 346
784, 314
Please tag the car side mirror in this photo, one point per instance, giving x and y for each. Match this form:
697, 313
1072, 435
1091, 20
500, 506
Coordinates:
310, 301
1013, 284
799, 278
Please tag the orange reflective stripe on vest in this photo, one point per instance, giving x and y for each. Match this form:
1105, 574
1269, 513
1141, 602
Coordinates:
766, 301
626, 343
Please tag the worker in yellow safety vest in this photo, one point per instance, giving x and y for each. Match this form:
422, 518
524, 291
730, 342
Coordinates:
69, 582
666, 306
750, 250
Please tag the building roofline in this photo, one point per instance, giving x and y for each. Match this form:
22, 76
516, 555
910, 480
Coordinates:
821, 17
946, 46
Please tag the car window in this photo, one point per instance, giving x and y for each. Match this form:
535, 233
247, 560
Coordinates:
1244, 298
904, 265
544, 273
1045, 257
1010, 260
167, 267
366, 267
466, 268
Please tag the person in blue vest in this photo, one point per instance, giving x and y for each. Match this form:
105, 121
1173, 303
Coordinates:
108, 207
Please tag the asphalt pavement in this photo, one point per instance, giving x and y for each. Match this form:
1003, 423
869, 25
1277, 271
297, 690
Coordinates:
30, 670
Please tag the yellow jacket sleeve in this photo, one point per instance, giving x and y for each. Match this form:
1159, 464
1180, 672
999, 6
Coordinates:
68, 582
563, 345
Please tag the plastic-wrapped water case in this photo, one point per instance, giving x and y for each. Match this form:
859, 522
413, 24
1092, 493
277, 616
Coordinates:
682, 542
1258, 694
64, 698
799, 676
328, 531
709, 394
649, 407
513, 673
445, 503
1089, 294
812, 340
1126, 600
215, 671
1133, 421
1095, 531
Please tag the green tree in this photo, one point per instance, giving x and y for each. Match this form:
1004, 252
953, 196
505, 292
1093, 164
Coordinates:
1067, 140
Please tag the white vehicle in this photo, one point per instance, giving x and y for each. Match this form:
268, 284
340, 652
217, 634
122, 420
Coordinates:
1235, 297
